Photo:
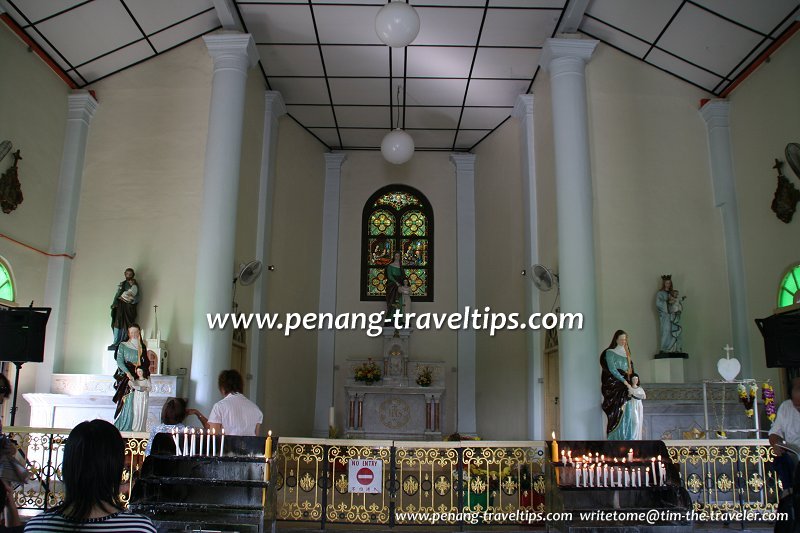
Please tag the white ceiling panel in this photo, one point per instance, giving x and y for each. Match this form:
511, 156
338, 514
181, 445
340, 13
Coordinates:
432, 117
328, 136
291, 60
279, 23
746, 63
761, 16
398, 61
154, 15
301, 90
363, 138
518, 27
362, 116
707, 41
439, 62
484, 117
185, 31
364, 91
36, 10
312, 115
495, 92
435, 92
598, 30
48, 50
117, 30
356, 60
453, 3
76, 78
683, 69
785, 26
554, 4
642, 18
506, 63
437, 139
467, 139
116, 61
449, 26
346, 24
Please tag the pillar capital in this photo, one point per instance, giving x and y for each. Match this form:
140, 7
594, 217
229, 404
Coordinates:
81, 105
716, 113
572, 53
232, 50
334, 160
523, 106
463, 161
274, 104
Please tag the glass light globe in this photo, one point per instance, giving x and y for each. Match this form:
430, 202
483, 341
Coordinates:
397, 24
397, 147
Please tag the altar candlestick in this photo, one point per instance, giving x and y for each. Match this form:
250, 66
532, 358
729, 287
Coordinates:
630, 455
214, 440
185, 441
647, 477
177, 442
554, 449
222, 444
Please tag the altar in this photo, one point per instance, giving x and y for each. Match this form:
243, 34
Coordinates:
401, 405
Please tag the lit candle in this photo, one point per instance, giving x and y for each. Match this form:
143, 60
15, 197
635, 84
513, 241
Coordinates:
578, 472
208, 442
569, 454
554, 449
331, 417
192, 440
619, 476
591, 475
267, 454
222, 444
663, 474
177, 441
605, 475
647, 477
200, 433
630, 455
185, 441
602, 458
214, 441
653, 469
563, 457
639, 477
660, 471
627, 477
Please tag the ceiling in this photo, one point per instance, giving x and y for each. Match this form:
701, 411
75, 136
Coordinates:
457, 81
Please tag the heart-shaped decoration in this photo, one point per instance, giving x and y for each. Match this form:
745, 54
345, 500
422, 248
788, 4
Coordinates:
728, 368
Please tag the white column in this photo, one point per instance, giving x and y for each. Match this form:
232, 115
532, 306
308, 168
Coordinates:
274, 108
565, 60
523, 110
465, 255
81, 109
233, 54
716, 115
326, 338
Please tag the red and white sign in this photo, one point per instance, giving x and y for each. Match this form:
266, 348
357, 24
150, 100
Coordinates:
365, 476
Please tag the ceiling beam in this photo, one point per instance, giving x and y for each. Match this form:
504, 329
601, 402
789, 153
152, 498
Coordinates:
573, 15
228, 15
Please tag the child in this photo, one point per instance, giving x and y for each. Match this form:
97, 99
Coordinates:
141, 398
405, 295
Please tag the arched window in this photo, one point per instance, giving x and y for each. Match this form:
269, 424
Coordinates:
789, 291
397, 218
6, 283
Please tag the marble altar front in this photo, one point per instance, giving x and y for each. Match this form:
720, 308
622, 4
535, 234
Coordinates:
78, 397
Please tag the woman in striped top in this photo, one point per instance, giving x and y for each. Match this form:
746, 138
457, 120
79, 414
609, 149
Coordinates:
94, 457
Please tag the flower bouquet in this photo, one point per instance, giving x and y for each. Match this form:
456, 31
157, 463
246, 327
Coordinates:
424, 376
368, 372
746, 398
768, 395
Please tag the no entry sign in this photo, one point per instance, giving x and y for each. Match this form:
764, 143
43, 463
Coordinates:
365, 476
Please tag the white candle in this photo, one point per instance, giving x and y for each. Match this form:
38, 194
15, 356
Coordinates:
605, 475
331, 417
627, 477
647, 477
214, 440
653, 469
208, 442
639, 477
619, 476
663, 474
192, 440
630, 455
185, 441
200, 438
599, 474
563, 457
578, 472
591, 476
222, 444
177, 441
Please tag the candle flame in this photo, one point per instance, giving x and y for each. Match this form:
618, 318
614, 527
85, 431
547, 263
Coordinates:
554, 435
269, 433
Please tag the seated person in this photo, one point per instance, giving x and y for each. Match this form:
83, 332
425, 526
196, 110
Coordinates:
234, 412
786, 428
173, 415
9, 523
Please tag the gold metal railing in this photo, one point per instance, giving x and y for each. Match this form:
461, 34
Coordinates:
41, 450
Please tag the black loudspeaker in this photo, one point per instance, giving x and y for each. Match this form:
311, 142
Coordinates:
781, 339
22, 332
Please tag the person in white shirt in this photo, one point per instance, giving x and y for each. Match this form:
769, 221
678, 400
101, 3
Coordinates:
234, 412
786, 428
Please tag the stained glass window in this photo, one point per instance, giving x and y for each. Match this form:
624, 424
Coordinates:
6, 286
789, 292
397, 220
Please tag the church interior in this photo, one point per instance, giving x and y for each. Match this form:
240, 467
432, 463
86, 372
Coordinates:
566, 156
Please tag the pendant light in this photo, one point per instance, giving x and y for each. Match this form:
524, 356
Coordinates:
397, 24
397, 146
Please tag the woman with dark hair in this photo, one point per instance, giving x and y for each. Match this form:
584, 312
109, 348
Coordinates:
130, 355
616, 365
94, 457
173, 415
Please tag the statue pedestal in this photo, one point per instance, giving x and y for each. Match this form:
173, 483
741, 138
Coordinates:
668, 367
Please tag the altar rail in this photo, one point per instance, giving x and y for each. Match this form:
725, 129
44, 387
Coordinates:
311, 476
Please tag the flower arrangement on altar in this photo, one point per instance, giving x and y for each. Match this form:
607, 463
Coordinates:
768, 395
368, 372
424, 376
747, 397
